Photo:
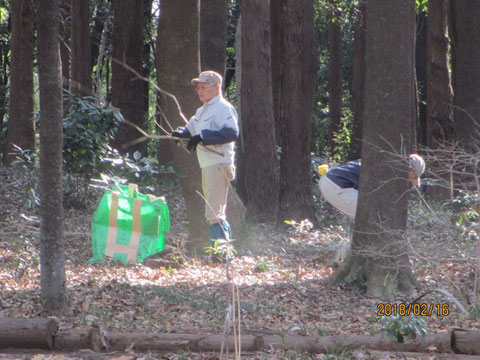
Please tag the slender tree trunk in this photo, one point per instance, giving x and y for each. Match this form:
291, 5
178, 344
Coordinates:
440, 97
379, 257
334, 77
148, 65
358, 80
52, 252
467, 73
81, 79
298, 81
64, 38
213, 34
240, 160
20, 130
276, 13
98, 27
127, 89
178, 61
421, 59
439, 91
260, 171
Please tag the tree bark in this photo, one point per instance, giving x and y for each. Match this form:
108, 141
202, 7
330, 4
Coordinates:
20, 130
127, 89
260, 167
421, 60
334, 77
213, 35
378, 258
439, 91
440, 123
98, 27
27, 333
467, 73
64, 38
358, 80
298, 81
81, 77
52, 252
276, 13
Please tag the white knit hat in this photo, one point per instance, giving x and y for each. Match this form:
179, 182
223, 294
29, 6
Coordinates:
417, 163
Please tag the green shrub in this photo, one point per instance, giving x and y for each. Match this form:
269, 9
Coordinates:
87, 130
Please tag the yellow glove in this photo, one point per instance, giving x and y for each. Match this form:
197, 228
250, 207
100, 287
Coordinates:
322, 169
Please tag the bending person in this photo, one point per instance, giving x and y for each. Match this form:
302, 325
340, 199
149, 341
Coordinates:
339, 185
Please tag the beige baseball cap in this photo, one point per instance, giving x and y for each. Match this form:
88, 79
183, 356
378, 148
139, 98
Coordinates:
210, 77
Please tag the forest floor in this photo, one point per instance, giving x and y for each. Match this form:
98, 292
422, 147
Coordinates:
278, 274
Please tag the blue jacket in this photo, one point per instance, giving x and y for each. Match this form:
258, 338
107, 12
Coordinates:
346, 175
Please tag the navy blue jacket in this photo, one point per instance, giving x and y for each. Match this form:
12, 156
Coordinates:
346, 175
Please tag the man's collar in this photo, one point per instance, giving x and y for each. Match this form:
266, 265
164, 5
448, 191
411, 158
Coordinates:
214, 100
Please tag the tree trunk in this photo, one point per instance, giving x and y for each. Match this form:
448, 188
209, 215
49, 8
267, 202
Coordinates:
213, 35
467, 73
52, 252
421, 60
98, 27
334, 77
439, 91
260, 167
20, 130
127, 89
4, 77
358, 80
298, 81
148, 65
64, 33
378, 256
81, 79
178, 61
27, 333
276, 13
440, 98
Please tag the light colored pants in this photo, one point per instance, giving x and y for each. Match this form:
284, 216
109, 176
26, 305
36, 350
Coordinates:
215, 180
344, 200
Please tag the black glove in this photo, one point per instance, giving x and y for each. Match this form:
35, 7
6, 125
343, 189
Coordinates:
193, 142
181, 132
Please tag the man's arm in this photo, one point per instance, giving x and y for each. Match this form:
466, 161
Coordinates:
222, 136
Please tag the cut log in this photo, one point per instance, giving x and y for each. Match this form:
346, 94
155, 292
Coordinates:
27, 333
465, 342
202, 342
77, 339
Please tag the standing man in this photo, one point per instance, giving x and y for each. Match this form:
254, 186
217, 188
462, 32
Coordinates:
339, 185
212, 132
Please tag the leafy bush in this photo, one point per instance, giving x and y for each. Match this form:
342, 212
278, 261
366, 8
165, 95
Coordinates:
87, 130
26, 162
399, 327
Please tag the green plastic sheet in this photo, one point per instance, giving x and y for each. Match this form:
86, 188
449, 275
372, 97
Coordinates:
129, 226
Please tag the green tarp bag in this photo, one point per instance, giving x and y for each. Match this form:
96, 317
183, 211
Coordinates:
129, 226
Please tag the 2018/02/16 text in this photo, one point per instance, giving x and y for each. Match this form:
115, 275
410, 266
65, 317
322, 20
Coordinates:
387, 309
